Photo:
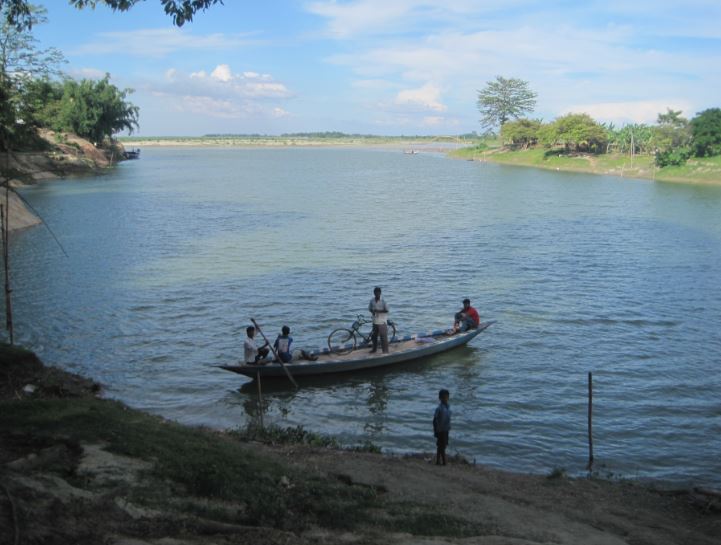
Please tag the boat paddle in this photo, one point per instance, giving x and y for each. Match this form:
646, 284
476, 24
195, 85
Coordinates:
290, 377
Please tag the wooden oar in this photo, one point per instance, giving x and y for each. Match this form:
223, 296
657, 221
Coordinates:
290, 377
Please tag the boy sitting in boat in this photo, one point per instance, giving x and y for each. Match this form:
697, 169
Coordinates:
282, 345
466, 318
253, 354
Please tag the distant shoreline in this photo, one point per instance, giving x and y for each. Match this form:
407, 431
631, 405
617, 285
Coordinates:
699, 171
424, 143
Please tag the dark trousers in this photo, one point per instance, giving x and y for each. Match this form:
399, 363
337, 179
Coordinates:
262, 353
441, 444
381, 330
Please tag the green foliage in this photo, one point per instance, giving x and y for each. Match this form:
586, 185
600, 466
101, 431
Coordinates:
201, 463
672, 156
17, 13
521, 133
706, 133
21, 60
40, 102
505, 99
575, 132
95, 109
671, 138
631, 139
289, 435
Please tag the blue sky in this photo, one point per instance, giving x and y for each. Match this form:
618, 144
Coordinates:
393, 66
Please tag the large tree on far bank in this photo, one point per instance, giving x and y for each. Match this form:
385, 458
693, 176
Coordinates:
706, 133
504, 99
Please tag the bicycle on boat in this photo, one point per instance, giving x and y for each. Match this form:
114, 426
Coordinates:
344, 340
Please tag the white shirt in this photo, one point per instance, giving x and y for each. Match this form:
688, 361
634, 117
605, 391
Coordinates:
379, 309
251, 350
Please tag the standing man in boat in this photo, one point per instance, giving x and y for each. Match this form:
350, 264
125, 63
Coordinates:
378, 308
466, 318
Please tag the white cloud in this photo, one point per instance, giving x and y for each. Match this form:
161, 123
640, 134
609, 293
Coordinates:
88, 73
222, 93
641, 111
160, 42
222, 82
425, 98
222, 73
349, 19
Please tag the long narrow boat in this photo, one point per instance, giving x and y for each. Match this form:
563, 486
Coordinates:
400, 350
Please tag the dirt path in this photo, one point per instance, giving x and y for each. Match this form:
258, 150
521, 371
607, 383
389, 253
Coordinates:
521, 509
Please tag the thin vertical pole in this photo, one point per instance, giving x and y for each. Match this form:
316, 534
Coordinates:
590, 421
6, 256
260, 399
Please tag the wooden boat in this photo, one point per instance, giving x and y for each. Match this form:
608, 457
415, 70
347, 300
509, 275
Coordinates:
400, 350
132, 154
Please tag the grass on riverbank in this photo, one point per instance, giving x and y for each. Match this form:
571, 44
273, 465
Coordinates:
212, 481
700, 170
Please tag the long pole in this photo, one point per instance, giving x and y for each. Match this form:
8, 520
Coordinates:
6, 265
290, 377
260, 400
590, 421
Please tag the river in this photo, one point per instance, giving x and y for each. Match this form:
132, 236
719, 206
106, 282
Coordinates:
168, 258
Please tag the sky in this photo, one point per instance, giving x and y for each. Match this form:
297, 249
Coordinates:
392, 67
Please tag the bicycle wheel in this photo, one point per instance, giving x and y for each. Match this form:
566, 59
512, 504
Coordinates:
366, 336
391, 332
341, 341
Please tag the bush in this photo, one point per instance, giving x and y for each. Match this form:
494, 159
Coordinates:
672, 157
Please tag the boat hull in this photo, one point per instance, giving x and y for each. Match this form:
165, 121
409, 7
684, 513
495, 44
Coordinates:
328, 363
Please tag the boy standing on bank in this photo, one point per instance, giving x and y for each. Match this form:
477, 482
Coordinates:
441, 426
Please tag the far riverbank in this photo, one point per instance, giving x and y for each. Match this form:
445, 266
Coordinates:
701, 171
705, 170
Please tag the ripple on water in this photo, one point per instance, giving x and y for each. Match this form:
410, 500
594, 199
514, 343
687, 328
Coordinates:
169, 258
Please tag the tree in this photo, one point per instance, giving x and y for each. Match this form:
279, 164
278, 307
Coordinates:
706, 133
575, 132
522, 132
671, 139
17, 13
95, 109
505, 99
21, 61
671, 130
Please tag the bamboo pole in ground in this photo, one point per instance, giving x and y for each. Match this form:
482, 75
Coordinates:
4, 216
260, 400
590, 421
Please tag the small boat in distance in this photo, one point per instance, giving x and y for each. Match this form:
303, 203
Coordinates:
400, 350
410, 151
132, 154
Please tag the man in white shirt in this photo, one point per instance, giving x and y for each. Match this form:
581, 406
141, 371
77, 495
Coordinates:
378, 308
253, 354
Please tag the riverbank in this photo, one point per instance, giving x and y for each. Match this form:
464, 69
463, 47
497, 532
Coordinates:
705, 170
77, 468
409, 143
64, 155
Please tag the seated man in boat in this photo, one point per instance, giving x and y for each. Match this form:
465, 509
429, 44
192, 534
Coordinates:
282, 345
253, 354
466, 318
